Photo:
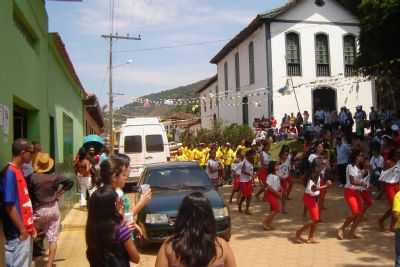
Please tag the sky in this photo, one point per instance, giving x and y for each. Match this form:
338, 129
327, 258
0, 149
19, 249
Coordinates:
196, 29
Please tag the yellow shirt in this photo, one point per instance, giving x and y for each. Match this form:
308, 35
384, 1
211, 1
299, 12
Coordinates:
189, 154
197, 154
203, 158
396, 208
220, 155
181, 158
229, 156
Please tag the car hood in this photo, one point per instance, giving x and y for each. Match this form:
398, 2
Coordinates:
170, 201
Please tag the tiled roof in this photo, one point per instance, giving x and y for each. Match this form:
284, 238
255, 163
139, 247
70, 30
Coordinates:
210, 81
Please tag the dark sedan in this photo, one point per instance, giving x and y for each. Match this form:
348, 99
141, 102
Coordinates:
170, 183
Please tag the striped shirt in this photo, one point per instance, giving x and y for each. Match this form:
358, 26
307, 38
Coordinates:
123, 233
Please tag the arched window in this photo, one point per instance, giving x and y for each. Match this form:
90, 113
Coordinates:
226, 78
204, 106
211, 103
293, 57
349, 51
322, 59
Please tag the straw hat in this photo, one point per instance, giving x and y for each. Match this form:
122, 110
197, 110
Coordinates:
43, 163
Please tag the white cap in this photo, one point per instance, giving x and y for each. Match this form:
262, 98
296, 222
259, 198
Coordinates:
395, 128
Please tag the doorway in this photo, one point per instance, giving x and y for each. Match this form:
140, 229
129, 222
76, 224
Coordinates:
245, 110
20, 120
324, 98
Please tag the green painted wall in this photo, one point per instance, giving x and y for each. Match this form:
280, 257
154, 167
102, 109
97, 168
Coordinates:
36, 78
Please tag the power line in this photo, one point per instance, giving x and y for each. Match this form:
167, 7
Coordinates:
172, 46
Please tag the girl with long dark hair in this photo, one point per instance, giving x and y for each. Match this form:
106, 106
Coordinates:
311, 193
84, 174
194, 242
108, 239
352, 195
283, 172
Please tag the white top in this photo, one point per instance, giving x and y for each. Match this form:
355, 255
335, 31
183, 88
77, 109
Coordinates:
366, 179
312, 157
310, 185
377, 162
237, 168
355, 172
214, 165
265, 158
392, 175
248, 168
283, 170
274, 182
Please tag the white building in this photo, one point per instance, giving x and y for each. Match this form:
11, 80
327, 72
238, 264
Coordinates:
209, 102
306, 45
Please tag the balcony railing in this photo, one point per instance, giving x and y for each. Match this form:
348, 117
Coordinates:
323, 70
293, 69
350, 70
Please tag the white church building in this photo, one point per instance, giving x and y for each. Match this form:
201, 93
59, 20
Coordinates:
294, 58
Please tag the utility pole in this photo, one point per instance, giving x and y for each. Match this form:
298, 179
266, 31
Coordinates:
110, 38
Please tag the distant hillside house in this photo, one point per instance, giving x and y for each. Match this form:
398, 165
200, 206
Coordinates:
307, 45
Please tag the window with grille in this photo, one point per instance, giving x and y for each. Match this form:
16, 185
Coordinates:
204, 106
251, 63
211, 103
322, 55
349, 50
293, 58
237, 72
226, 77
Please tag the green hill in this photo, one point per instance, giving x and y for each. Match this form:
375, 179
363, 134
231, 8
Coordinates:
136, 109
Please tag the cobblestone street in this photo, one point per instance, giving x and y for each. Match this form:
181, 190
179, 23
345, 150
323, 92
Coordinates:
256, 248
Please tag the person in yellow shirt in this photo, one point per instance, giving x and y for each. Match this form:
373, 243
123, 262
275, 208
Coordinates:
228, 158
396, 214
197, 154
180, 156
204, 152
189, 152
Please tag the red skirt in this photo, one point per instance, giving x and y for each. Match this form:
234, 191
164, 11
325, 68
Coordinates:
246, 188
262, 175
284, 184
354, 201
273, 201
311, 204
236, 182
390, 190
366, 197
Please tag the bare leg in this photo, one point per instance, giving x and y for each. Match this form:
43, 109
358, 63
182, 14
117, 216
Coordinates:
240, 203
52, 253
261, 190
268, 220
248, 201
382, 219
393, 221
289, 190
313, 227
354, 225
299, 232
347, 222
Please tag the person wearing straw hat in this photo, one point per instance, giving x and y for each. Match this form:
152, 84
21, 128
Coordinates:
45, 189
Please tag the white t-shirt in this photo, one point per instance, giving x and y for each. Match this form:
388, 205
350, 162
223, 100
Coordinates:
355, 172
248, 168
284, 169
214, 165
274, 182
266, 158
377, 162
310, 185
392, 175
237, 168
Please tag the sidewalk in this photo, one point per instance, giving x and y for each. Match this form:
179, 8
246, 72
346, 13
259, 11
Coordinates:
254, 247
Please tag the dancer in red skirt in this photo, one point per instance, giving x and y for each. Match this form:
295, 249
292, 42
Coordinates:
352, 195
273, 194
246, 181
283, 173
310, 199
390, 179
265, 159
236, 169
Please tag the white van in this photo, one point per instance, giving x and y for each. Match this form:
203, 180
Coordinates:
145, 141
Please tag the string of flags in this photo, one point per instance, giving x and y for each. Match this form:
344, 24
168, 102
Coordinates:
235, 98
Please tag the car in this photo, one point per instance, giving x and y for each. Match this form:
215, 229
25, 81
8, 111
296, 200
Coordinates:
145, 141
170, 182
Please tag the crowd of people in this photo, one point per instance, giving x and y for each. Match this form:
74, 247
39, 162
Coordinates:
365, 164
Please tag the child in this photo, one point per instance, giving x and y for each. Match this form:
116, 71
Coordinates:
283, 173
273, 194
311, 194
377, 163
236, 170
246, 181
265, 159
352, 195
212, 168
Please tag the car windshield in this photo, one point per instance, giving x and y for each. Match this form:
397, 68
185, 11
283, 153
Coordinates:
177, 177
